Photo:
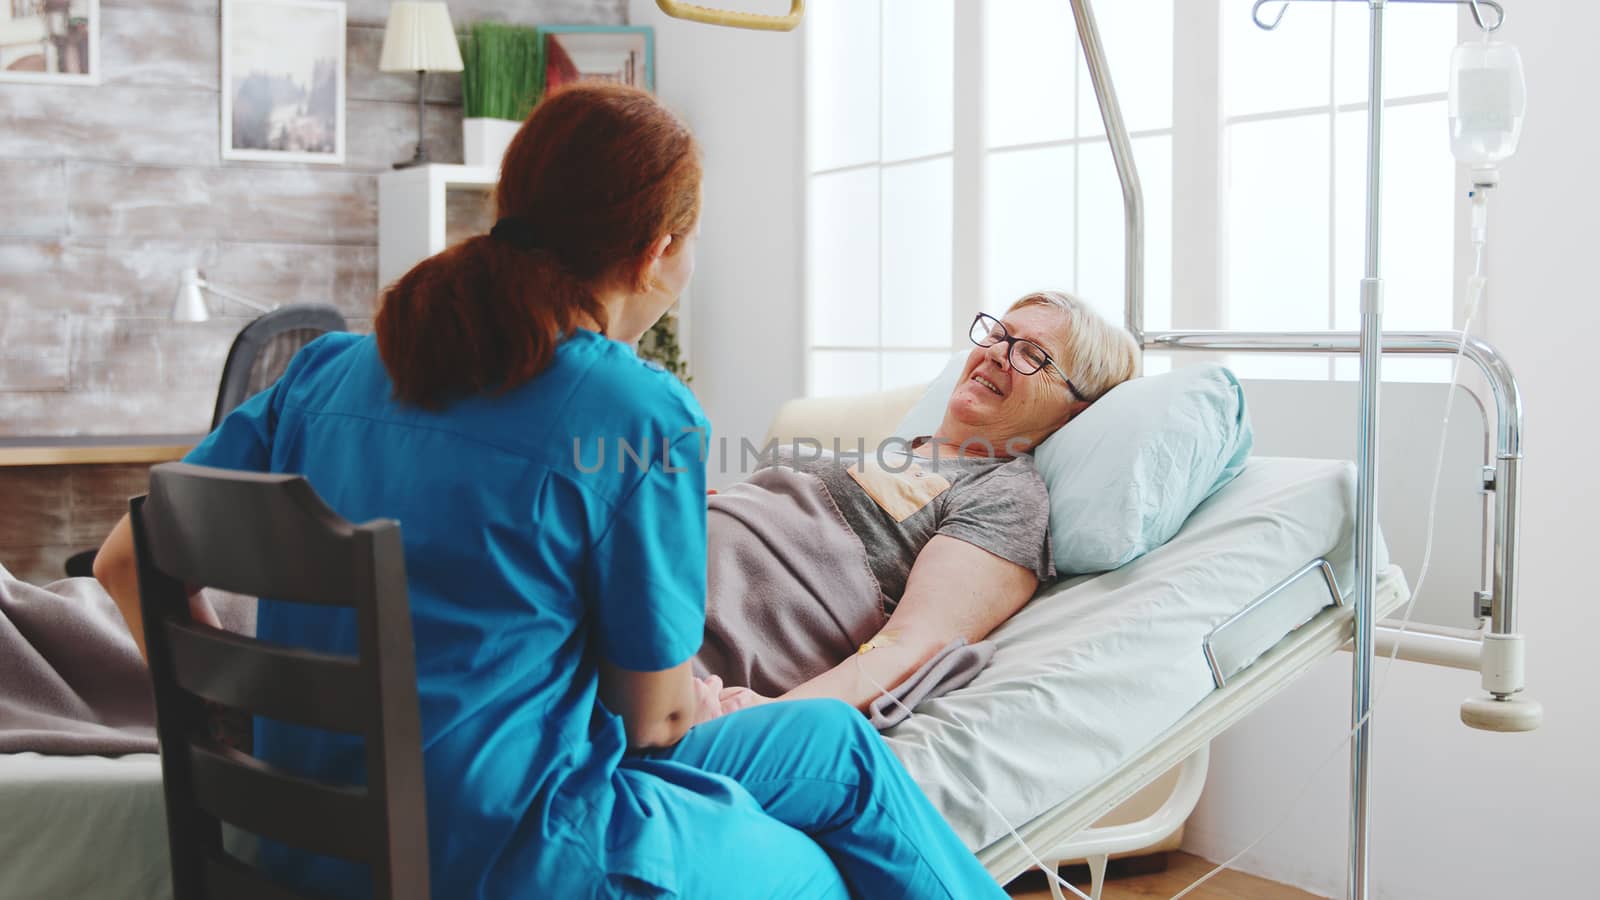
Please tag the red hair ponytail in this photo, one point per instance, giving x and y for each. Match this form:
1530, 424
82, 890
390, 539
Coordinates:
596, 174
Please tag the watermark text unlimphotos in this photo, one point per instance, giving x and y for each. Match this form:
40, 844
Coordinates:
594, 454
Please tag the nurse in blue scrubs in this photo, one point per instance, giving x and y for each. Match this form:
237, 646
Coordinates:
550, 487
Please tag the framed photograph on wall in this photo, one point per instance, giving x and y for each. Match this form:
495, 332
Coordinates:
50, 41
283, 68
625, 54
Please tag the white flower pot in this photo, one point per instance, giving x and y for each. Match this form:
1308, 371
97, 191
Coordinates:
484, 141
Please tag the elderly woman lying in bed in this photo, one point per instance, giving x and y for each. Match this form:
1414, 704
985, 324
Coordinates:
904, 548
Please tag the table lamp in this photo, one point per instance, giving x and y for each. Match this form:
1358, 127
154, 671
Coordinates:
419, 38
190, 303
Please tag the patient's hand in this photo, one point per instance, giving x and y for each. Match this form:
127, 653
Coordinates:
736, 698
708, 698
200, 609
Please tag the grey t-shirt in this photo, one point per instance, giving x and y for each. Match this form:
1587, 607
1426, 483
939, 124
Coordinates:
896, 501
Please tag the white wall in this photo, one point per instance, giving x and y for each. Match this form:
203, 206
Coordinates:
741, 93
1459, 813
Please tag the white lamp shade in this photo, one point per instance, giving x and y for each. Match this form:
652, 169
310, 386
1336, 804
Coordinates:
419, 38
189, 305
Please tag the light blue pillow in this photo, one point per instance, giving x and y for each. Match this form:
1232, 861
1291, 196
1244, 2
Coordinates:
1125, 474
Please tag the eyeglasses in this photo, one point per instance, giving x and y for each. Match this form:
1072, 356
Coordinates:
1025, 357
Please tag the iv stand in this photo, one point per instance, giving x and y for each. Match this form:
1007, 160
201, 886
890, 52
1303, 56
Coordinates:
1356, 882
1371, 347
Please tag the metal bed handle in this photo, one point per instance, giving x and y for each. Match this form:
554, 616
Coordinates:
1477, 11
693, 12
1507, 397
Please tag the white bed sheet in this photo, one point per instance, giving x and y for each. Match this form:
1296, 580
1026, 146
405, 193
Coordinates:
82, 828
1095, 668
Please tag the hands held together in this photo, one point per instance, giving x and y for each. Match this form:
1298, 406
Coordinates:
712, 699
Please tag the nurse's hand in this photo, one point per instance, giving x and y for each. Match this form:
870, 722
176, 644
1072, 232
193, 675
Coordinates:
736, 698
707, 695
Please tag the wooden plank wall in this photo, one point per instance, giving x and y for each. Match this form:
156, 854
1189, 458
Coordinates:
110, 191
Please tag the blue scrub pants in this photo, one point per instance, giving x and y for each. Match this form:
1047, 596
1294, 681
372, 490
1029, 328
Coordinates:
830, 813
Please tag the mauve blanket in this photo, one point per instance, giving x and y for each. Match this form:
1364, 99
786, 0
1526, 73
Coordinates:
788, 590
789, 595
71, 680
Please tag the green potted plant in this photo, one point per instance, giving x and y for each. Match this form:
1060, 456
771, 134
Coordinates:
501, 79
660, 346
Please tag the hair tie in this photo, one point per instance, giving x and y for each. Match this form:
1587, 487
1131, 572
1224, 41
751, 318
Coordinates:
516, 231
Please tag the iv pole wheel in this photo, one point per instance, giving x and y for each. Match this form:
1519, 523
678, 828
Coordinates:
1513, 714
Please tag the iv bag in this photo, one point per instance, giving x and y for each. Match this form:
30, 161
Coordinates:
1488, 99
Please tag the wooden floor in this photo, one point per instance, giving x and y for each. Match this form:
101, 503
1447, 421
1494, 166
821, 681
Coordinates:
1181, 870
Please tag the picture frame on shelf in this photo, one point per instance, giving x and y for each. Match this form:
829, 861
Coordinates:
623, 54
50, 41
283, 81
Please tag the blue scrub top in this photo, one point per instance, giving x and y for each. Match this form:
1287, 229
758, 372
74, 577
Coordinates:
544, 527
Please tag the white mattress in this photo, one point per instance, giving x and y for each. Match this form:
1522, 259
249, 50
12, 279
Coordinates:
1096, 668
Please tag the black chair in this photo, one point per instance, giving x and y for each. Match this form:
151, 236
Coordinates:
262, 351
258, 357
271, 535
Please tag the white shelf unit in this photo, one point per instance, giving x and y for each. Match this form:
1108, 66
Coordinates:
413, 209
411, 212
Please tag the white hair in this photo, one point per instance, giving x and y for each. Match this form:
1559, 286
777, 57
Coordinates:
1095, 354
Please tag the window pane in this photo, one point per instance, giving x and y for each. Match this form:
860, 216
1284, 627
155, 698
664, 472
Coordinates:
1273, 71
838, 372
842, 68
918, 77
905, 368
1028, 230
1277, 224
1029, 48
1137, 35
1101, 228
917, 251
1418, 261
1417, 41
842, 250
1278, 366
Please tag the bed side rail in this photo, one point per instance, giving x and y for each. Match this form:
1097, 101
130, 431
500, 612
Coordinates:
1237, 642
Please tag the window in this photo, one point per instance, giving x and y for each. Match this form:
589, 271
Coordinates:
946, 179
1294, 107
880, 211
1052, 212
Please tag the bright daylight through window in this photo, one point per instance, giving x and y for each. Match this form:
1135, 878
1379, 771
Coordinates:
945, 179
